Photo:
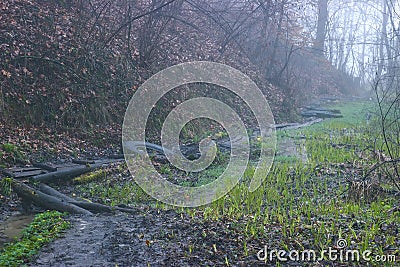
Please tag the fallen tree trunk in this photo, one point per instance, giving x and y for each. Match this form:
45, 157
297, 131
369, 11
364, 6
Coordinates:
7, 173
284, 125
320, 114
292, 126
44, 200
66, 174
98, 208
117, 156
83, 161
94, 207
72, 172
336, 111
89, 206
52, 192
49, 198
44, 166
306, 124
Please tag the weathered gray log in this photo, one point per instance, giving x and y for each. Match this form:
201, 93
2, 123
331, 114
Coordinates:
117, 156
83, 161
295, 125
44, 166
7, 173
26, 174
109, 161
336, 111
44, 200
98, 208
93, 207
52, 192
49, 198
66, 174
284, 125
139, 147
320, 114
306, 124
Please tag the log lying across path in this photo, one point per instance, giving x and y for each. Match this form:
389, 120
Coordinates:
318, 112
49, 198
72, 172
52, 192
64, 174
292, 126
93, 207
41, 199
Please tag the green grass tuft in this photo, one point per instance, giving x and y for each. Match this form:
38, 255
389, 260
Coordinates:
44, 228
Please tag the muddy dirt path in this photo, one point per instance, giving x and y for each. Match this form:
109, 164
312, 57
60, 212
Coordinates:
152, 238
148, 238
120, 240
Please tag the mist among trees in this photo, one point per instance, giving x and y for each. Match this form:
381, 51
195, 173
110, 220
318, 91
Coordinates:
329, 70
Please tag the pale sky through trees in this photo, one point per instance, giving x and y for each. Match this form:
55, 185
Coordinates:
354, 34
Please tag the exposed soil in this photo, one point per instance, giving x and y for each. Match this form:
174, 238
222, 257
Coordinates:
148, 238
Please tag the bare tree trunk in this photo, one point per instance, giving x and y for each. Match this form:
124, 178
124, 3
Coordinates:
269, 71
362, 60
321, 26
383, 37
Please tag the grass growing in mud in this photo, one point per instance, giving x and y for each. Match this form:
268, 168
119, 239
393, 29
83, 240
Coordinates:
299, 206
44, 228
309, 206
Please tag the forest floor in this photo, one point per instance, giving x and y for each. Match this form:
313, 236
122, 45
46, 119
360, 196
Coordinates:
307, 202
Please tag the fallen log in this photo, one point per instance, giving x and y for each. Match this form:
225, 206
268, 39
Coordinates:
44, 200
291, 126
83, 161
336, 111
117, 156
284, 125
44, 166
140, 148
66, 174
52, 192
93, 207
7, 173
320, 114
306, 124
97, 207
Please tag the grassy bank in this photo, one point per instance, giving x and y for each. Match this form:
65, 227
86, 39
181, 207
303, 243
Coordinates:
45, 227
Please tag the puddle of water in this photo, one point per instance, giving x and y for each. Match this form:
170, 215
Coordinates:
12, 227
